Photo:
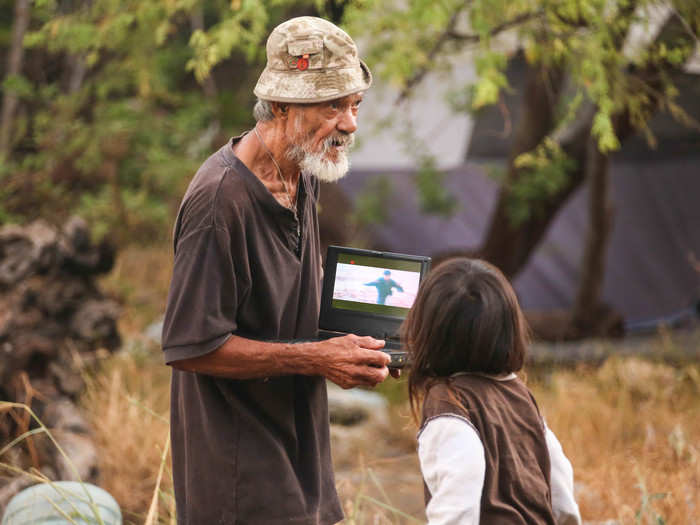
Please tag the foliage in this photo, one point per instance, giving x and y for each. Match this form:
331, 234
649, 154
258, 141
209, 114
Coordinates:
119, 101
372, 204
588, 40
433, 195
117, 108
543, 173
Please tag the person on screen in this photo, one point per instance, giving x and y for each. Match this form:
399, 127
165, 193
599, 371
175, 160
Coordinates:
485, 451
384, 286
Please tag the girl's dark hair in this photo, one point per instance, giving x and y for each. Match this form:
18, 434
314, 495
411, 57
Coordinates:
465, 318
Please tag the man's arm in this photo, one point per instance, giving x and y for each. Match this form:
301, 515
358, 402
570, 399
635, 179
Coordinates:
348, 361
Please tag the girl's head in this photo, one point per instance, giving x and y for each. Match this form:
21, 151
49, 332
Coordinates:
466, 318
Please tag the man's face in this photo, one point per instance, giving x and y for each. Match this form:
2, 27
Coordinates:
320, 136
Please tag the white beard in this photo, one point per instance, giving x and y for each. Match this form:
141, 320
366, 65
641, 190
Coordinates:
317, 165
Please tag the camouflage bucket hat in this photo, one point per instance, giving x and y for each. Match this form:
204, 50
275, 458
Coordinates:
311, 60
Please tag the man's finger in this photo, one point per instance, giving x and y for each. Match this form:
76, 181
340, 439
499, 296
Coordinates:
370, 342
380, 375
377, 358
395, 372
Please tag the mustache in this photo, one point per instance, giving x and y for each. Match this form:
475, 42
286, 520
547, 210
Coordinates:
339, 140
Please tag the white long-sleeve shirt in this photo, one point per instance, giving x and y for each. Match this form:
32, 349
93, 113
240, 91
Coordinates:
453, 464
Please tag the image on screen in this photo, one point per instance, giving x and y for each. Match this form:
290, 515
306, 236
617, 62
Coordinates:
375, 285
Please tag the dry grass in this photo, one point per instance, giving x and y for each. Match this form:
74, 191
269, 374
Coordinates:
127, 403
631, 429
140, 280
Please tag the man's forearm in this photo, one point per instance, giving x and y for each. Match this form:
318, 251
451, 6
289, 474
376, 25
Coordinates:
241, 358
348, 361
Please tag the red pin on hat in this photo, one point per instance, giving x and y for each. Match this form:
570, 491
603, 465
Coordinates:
303, 63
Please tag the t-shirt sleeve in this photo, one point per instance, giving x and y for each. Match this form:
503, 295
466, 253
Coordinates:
202, 302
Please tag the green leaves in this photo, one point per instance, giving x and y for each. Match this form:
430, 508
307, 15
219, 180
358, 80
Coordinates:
113, 122
489, 67
433, 196
542, 173
374, 202
245, 29
18, 85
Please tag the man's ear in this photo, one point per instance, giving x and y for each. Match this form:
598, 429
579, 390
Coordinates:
280, 109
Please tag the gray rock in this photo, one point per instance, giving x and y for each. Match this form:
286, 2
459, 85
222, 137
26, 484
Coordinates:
81, 458
154, 331
350, 407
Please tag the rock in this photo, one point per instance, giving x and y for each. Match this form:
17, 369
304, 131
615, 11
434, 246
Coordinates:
154, 331
81, 457
350, 407
68, 380
25, 250
96, 320
64, 415
79, 256
54, 324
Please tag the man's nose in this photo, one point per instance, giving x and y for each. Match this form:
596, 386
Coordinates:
347, 121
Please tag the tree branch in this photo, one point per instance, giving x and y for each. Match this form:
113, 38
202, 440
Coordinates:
15, 60
474, 38
418, 75
449, 34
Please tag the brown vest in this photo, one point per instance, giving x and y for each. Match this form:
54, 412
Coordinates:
516, 487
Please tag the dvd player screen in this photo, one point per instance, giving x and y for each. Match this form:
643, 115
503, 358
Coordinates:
375, 284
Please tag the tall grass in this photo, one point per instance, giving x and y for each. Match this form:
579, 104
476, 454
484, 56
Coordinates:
631, 430
127, 403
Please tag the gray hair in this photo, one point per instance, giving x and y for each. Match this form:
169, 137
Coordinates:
262, 111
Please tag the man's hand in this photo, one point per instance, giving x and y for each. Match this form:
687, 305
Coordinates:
351, 360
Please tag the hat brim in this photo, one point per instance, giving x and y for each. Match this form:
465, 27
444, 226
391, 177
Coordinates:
306, 87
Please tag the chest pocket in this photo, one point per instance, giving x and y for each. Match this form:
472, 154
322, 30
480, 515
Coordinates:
308, 48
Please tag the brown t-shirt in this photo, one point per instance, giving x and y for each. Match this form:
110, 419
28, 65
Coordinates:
504, 413
246, 451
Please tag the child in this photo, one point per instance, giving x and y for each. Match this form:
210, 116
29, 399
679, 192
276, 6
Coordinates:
485, 452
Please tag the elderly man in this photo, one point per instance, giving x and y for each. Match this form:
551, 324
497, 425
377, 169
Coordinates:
249, 415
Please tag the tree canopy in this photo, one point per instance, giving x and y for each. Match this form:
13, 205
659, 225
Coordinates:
115, 103
109, 106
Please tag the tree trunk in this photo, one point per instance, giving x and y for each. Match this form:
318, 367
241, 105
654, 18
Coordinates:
505, 245
590, 316
509, 247
16, 58
197, 24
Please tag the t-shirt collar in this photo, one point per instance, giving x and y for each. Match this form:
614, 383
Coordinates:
256, 186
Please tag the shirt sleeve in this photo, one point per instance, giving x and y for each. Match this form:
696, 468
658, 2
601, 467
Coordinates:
564, 505
454, 466
202, 302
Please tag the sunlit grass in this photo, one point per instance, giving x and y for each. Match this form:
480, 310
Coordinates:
127, 404
631, 428
140, 279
